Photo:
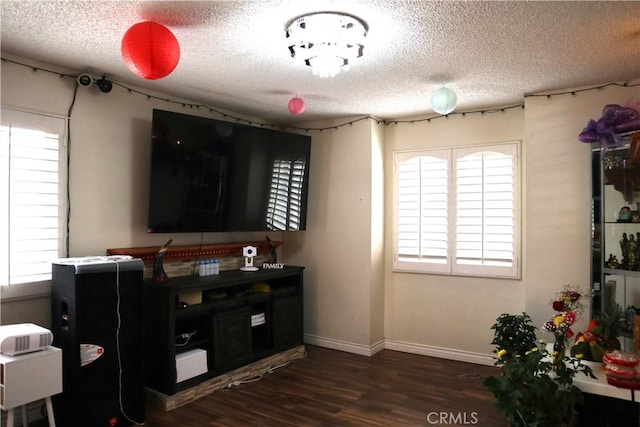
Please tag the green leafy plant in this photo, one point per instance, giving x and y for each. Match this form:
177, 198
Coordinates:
608, 326
602, 335
535, 389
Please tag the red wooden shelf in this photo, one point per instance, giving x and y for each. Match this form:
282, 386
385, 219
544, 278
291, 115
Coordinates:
187, 252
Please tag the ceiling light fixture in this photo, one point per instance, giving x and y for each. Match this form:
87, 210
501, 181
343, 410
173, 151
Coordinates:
443, 100
328, 42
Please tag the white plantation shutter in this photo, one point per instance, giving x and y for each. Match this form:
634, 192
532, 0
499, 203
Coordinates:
422, 211
485, 210
285, 196
31, 218
457, 210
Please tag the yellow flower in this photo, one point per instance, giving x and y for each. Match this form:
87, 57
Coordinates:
558, 320
533, 350
501, 353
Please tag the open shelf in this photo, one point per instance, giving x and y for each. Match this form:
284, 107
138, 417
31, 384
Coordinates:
248, 324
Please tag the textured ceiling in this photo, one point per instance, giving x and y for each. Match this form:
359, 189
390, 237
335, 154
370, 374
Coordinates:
234, 54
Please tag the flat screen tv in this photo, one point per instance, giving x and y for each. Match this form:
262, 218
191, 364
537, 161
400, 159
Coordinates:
214, 176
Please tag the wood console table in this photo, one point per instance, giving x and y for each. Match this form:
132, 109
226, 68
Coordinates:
233, 318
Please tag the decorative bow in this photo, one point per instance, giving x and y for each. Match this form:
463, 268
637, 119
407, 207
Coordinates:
614, 121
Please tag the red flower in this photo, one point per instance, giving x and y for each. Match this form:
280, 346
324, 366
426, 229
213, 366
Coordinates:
550, 326
570, 317
573, 296
558, 305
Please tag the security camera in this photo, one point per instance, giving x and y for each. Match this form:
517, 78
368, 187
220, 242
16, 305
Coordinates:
248, 252
104, 85
85, 80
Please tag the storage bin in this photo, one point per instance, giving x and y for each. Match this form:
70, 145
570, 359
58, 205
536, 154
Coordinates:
191, 364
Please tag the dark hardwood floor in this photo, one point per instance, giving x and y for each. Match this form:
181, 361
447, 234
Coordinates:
334, 388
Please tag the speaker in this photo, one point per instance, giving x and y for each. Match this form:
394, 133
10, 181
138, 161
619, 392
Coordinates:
97, 318
84, 80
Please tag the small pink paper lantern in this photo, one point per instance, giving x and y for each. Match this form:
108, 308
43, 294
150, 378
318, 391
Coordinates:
296, 106
150, 50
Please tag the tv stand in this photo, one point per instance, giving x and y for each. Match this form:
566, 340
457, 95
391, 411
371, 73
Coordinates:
237, 317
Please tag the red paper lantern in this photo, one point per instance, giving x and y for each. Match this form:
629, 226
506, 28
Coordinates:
150, 50
296, 106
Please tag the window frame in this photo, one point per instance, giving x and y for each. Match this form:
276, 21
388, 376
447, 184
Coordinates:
451, 267
50, 123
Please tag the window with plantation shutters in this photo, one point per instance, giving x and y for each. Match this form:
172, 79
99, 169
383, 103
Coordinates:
456, 211
422, 210
285, 195
31, 216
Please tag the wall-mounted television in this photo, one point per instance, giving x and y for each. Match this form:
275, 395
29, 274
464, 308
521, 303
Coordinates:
215, 176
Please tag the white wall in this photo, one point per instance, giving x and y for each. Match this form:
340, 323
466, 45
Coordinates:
378, 195
558, 193
110, 146
110, 151
342, 247
353, 301
429, 313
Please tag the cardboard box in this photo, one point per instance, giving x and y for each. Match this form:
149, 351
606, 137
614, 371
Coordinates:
191, 364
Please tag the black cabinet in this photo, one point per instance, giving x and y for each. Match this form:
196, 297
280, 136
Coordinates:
237, 317
231, 338
287, 319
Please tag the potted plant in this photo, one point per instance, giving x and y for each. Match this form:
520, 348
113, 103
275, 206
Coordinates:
535, 389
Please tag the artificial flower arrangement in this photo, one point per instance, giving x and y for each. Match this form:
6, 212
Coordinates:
568, 304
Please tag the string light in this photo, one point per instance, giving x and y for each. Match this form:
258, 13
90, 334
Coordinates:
335, 127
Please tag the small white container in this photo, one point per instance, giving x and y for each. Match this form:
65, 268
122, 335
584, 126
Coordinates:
191, 364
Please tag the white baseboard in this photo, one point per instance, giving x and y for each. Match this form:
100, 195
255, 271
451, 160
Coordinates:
424, 350
441, 352
361, 349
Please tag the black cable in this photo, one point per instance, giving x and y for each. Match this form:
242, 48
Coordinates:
348, 123
68, 186
118, 348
